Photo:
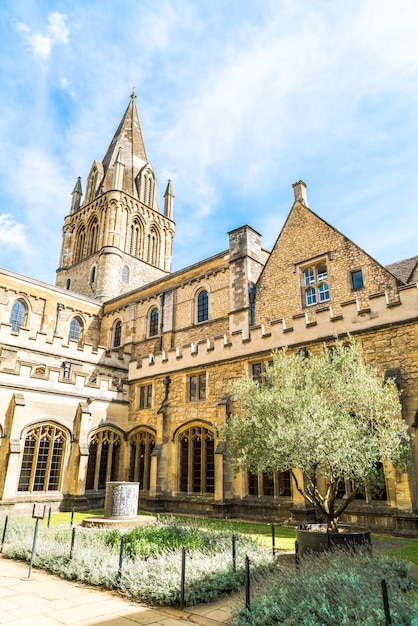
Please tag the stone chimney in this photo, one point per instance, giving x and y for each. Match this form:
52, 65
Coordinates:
300, 193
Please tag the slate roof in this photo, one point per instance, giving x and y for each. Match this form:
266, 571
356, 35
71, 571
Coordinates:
403, 270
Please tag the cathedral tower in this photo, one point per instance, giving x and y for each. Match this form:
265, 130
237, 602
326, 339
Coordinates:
117, 239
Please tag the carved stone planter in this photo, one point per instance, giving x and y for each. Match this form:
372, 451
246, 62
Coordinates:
314, 538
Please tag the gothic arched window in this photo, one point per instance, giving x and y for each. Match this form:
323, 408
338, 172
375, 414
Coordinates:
43, 459
197, 460
141, 445
80, 245
76, 329
202, 306
103, 463
117, 334
18, 315
153, 322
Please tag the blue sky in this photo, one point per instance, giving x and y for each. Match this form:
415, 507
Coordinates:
237, 99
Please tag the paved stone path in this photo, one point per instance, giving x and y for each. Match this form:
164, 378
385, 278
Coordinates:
46, 600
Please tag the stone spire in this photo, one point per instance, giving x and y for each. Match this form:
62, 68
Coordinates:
76, 196
127, 147
169, 200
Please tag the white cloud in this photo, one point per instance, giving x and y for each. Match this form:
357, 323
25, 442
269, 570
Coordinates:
42, 43
12, 233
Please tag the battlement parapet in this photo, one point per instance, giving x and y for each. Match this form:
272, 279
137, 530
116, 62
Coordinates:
304, 328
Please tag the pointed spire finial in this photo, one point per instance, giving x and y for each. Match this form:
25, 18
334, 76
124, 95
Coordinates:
133, 94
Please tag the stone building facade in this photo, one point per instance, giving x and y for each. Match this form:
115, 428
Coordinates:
122, 371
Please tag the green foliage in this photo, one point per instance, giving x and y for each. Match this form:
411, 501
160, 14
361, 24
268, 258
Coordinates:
341, 589
329, 415
152, 572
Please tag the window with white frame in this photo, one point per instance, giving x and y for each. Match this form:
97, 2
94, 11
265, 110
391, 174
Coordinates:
315, 287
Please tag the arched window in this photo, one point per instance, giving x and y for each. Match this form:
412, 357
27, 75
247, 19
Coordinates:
117, 334
76, 328
134, 238
80, 243
197, 460
93, 274
18, 315
141, 445
202, 306
43, 459
153, 322
152, 246
103, 461
125, 274
93, 232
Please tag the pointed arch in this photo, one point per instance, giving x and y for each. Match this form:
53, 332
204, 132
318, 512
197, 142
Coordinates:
153, 245
117, 334
19, 315
80, 243
104, 458
43, 458
92, 235
141, 445
196, 446
76, 329
135, 237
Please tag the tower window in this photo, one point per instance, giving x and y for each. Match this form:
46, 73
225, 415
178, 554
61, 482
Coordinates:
68, 284
18, 315
93, 274
125, 274
153, 322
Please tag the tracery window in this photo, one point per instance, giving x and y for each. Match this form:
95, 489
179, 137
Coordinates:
43, 458
197, 460
315, 285
117, 334
103, 463
76, 329
18, 315
153, 322
141, 445
202, 306
93, 233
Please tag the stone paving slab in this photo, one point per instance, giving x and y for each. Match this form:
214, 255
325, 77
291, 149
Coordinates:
47, 600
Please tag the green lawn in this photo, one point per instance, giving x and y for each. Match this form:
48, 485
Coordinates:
284, 535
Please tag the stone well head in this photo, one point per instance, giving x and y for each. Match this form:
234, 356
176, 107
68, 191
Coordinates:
121, 500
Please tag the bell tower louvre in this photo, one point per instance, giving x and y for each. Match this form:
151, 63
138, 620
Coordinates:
117, 239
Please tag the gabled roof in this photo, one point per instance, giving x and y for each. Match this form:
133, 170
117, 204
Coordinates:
403, 270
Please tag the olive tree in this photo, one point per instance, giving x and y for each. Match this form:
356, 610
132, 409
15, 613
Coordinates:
329, 415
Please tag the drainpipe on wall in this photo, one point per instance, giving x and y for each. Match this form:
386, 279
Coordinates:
162, 298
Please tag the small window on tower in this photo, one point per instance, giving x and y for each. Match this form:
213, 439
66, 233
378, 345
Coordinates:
125, 274
93, 274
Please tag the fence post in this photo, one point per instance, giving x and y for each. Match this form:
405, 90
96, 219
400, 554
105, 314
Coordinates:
72, 543
247, 584
234, 553
297, 558
273, 540
35, 534
6, 520
49, 517
121, 551
386, 602
183, 576
72, 517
